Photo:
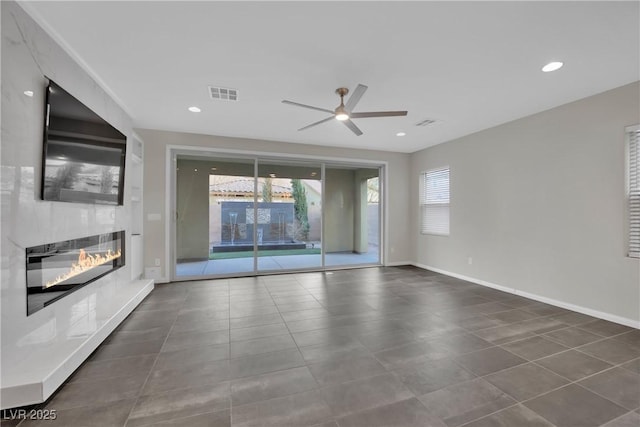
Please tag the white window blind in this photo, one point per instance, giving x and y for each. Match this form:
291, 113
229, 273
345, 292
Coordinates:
434, 201
634, 191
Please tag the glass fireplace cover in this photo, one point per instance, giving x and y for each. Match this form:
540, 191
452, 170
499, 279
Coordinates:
57, 269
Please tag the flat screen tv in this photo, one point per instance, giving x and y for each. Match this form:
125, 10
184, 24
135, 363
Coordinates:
83, 156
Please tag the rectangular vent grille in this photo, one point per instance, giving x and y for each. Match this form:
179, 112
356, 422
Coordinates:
426, 122
223, 93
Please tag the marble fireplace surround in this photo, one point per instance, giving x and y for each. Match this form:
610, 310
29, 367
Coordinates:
39, 352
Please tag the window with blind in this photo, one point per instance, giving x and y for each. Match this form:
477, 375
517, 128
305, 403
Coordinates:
633, 190
434, 201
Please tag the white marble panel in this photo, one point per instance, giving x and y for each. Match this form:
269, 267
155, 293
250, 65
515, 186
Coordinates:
50, 342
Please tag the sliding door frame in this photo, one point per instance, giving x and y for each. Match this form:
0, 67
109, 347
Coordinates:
172, 153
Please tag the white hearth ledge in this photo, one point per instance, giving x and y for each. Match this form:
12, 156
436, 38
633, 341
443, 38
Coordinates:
33, 380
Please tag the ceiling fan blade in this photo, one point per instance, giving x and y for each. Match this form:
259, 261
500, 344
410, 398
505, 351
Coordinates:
317, 123
307, 106
353, 127
377, 114
355, 97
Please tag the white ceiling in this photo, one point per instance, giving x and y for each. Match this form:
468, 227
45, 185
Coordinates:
469, 65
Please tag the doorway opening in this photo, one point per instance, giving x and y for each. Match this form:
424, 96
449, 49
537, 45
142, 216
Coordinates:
246, 216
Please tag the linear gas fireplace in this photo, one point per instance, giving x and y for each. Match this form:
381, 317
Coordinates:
54, 270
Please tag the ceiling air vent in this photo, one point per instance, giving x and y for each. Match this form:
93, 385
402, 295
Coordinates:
223, 93
425, 122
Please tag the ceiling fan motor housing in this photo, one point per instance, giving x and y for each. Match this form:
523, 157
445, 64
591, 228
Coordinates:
342, 112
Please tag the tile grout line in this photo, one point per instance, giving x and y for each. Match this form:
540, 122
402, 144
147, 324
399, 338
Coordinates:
362, 294
517, 403
281, 370
571, 382
139, 394
229, 355
633, 411
300, 352
535, 334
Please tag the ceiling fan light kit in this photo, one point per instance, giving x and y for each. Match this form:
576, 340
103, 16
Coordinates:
344, 113
342, 116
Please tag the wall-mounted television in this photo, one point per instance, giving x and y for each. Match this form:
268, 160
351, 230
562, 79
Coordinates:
84, 156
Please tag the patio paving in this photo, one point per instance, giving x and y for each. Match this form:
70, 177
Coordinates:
272, 263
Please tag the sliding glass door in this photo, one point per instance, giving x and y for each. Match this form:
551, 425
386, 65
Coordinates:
352, 215
289, 215
237, 216
214, 200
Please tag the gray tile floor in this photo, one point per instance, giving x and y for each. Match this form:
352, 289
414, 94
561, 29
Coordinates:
367, 347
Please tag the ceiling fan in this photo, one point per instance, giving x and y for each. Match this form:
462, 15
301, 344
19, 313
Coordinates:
344, 112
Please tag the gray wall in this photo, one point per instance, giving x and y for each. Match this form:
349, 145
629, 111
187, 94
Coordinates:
539, 204
155, 191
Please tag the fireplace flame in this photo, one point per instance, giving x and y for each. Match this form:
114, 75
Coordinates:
85, 262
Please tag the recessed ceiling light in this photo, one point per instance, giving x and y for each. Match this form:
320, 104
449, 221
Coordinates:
195, 170
400, 134
272, 175
314, 173
552, 66
214, 169
29, 93
194, 109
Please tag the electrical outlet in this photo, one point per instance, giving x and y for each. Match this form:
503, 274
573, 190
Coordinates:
470, 260
157, 262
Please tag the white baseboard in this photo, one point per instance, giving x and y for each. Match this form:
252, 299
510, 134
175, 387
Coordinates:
584, 310
397, 263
